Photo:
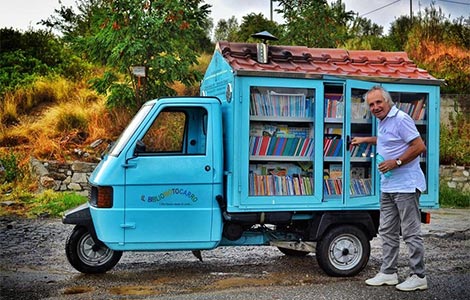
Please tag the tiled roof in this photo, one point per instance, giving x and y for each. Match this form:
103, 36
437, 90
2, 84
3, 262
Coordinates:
367, 64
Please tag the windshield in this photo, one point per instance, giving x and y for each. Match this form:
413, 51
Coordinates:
130, 129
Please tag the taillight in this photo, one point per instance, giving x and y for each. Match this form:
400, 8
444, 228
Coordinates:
425, 217
101, 196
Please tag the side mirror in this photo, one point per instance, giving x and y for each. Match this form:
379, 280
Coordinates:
139, 147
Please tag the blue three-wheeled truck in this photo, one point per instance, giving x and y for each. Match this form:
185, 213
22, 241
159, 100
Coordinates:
262, 157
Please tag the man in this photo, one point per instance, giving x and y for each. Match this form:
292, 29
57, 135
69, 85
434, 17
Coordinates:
400, 144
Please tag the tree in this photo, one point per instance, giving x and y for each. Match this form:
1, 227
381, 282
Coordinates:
26, 55
226, 30
254, 23
399, 31
161, 36
314, 23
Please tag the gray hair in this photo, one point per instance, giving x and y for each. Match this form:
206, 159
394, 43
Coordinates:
385, 94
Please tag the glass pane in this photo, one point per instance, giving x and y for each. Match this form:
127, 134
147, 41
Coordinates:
281, 147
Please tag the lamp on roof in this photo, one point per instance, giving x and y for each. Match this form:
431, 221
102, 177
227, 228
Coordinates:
262, 48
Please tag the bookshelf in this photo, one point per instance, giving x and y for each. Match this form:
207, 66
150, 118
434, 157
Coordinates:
281, 141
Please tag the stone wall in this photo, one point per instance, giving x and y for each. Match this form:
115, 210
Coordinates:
63, 176
456, 177
452, 105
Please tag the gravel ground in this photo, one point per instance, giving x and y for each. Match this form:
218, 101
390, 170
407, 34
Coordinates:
33, 266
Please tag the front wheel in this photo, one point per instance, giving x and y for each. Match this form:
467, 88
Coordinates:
343, 251
86, 256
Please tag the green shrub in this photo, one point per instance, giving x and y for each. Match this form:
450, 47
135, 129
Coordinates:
453, 198
9, 168
455, 141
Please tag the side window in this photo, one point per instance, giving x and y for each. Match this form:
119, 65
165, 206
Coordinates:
176, 131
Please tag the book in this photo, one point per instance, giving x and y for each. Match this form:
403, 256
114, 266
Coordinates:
335, 171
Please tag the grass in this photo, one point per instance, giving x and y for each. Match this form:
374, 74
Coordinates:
453, 198
49, 203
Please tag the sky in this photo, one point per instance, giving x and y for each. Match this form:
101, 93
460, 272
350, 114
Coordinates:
24, 14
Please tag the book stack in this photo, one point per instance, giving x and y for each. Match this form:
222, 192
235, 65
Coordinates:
416, 109
357, 187
280, 105
361, 150
334, 105
274, 185
279, 180
280, 140
281, 146
333, 186
360, 186
332, 146
360, 111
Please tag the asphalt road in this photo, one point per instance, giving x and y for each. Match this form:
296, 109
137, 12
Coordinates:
33, 266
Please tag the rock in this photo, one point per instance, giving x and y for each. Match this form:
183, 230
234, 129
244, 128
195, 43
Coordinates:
47, 182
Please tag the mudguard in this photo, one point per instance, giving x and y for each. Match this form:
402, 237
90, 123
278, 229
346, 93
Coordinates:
81, 215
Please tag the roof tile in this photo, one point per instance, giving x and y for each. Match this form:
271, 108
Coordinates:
321, 61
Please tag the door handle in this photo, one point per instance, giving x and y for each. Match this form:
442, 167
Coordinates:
348, 142
207, 168
127, 166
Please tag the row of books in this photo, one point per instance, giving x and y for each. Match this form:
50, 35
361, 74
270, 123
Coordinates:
281, 146
334, 106
359, 110
357, 187
416, 109
332, 146
280, 105
279, 130
275, 185
361, 150
335, 171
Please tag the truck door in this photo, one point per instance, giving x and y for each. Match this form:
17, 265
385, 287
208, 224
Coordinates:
171, 181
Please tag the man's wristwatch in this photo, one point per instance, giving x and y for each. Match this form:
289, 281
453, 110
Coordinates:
399, 162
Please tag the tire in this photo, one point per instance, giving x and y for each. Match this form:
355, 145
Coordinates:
343, 251
292, 252
86, 256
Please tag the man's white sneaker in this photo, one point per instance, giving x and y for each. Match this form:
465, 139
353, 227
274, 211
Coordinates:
413, 283
381, 279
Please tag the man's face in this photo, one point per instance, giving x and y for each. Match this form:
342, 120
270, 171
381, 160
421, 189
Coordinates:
377, 104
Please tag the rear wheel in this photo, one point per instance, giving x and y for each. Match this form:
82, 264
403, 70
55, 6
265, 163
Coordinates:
343, 251
87, 256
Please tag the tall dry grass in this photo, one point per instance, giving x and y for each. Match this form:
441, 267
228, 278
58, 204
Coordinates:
53, 118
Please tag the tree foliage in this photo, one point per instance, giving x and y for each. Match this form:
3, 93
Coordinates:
26, 55
438, 46
161, 36
226, 30
315, 23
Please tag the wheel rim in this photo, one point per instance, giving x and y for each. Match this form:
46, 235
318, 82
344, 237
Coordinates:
92, 254
345, 252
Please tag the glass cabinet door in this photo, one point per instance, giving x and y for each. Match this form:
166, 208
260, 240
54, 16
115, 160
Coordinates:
281, 141
361, 156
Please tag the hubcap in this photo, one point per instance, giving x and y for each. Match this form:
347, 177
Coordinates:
345, 252
91, 254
